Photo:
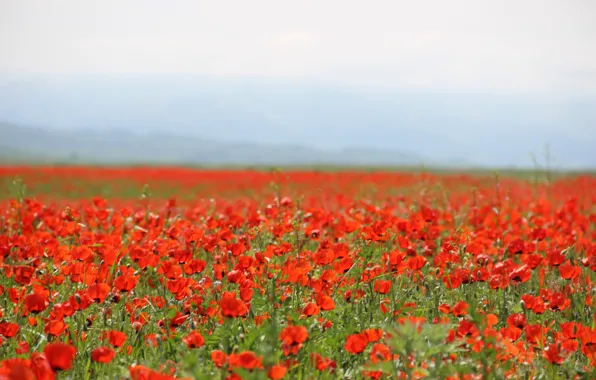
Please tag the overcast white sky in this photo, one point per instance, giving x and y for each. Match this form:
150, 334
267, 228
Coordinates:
512, 45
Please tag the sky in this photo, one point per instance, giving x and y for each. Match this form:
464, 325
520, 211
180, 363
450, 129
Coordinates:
535, 46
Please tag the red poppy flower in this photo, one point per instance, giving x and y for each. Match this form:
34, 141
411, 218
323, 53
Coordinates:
517, 246
460, 309
55, 327
325, 302
246, 359
60, 355
218, 357
98, 292
569, 272
382, 286
292, 338
103, 354
380, 352
231, 306
194, 340
36, 302
41, 366
276, 372
116, 338
8, 329
311, 309
516, 320
553, 354
356, 343
16, 369
445, 308
373, 335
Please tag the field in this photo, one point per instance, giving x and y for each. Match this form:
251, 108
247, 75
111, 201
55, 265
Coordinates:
162, 273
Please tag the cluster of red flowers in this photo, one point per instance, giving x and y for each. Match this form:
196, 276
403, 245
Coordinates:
343, 274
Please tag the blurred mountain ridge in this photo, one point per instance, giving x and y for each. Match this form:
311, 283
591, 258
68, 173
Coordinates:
41, 145
198, 120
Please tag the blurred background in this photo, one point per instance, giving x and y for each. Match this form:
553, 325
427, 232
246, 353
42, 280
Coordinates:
456, 83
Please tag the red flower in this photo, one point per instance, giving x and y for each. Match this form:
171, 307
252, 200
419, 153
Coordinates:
60, 355
98, 292
41, 367
9, 329
246, 359
325, 302
416, 262
521, 274
569, 271
553, 354
292, 338
23, 347
516, 246
23, 274
380, 352
139, 372
218, 357
116, 338
55, 327
194, 340
445, 308
13, 369
382, 286
231, 306
460, 309
36, 302
103, 354
356, 343
277, 372
373, 335
311, 309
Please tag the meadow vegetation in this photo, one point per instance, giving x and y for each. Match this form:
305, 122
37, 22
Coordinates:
170, 272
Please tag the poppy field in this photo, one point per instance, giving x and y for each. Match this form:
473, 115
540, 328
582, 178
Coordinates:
175, 273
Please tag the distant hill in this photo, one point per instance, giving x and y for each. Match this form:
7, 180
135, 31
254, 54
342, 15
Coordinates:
36, 144
253, 120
